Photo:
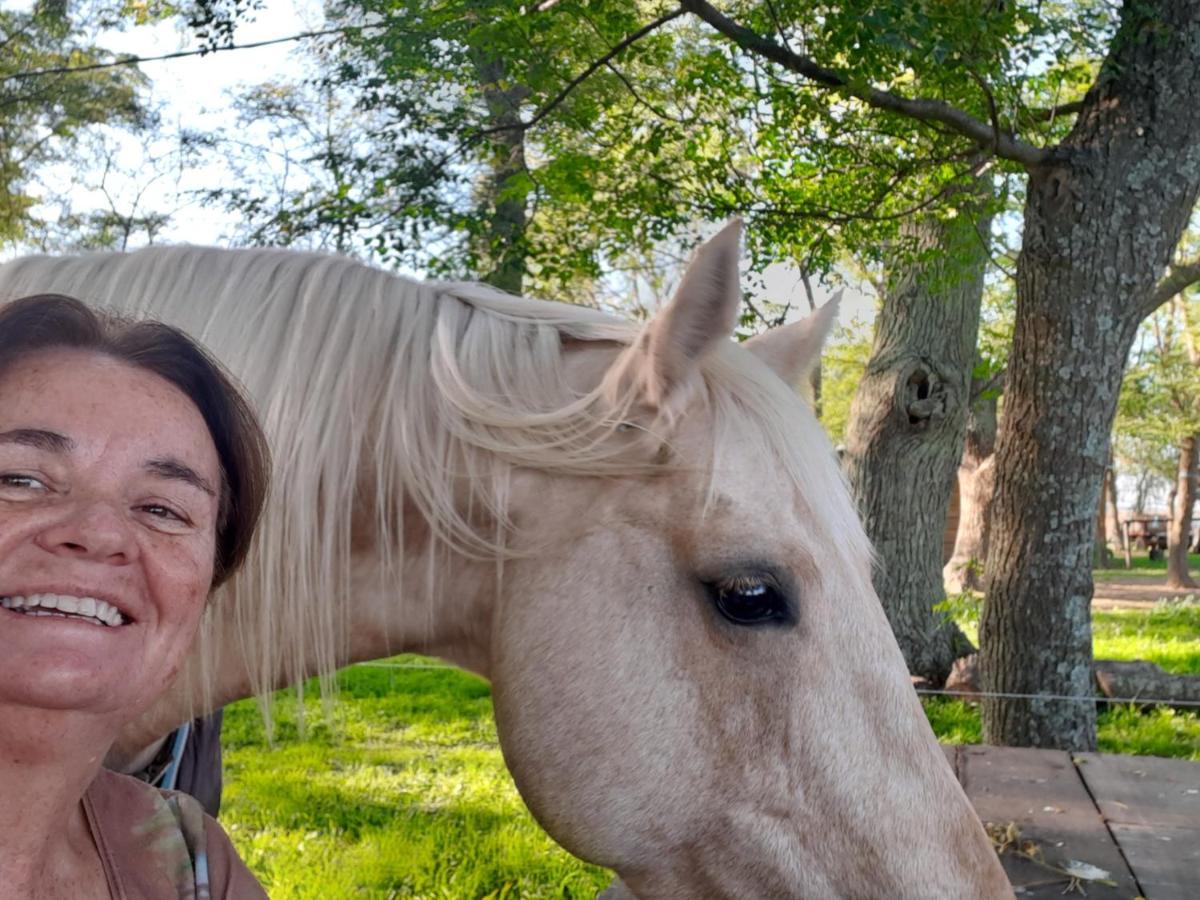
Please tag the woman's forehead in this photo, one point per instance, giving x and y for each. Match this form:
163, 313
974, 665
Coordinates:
102, 404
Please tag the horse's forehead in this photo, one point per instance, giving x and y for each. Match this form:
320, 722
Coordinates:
588, 361
738, 479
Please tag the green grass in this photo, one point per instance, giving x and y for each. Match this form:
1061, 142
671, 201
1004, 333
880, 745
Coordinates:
1167, 635
1143, 566
404, 793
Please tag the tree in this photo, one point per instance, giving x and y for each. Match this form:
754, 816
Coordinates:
1105, 208
768, 108
908, 421
111, 197
976, 483
966, 567
44, 112
438, 179
1160, 406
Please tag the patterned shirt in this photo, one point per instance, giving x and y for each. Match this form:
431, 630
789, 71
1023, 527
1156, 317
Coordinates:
159, 845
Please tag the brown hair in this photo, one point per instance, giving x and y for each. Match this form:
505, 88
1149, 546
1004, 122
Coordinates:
49, 321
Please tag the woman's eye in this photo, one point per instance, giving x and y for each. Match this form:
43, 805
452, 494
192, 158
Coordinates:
158, 511
750, 601
27, 482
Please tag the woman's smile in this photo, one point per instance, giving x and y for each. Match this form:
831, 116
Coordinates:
65, 606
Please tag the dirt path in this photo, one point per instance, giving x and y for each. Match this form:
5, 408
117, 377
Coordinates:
1133, 592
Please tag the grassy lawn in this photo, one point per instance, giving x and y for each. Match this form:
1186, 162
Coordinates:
406, 794
1168, 635
1143, 567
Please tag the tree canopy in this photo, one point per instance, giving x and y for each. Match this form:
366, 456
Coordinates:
638, 121
43, 112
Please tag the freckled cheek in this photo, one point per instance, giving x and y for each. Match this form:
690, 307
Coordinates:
184, 577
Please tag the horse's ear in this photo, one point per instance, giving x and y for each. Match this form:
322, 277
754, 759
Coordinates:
791, 350
702, 313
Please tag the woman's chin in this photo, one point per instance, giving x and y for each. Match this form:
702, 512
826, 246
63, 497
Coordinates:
63, 664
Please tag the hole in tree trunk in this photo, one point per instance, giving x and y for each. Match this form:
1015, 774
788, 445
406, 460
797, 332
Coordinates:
918, 389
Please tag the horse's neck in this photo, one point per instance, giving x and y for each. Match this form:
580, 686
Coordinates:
432, 608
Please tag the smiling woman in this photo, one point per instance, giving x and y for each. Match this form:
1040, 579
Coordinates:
132, 474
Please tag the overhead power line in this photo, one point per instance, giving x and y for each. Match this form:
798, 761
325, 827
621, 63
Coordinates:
179, 54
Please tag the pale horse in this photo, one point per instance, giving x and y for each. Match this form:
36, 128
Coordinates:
641, 537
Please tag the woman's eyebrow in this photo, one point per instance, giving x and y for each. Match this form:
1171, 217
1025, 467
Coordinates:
39, 439
178, 471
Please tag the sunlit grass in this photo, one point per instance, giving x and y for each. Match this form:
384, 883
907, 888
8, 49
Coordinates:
406, 795
1167, 635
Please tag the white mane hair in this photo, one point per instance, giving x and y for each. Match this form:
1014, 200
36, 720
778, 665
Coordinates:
373, 389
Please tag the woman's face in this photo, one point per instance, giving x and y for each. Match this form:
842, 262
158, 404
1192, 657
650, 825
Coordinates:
108, 515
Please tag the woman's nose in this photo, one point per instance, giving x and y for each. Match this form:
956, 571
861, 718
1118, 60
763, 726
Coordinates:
96, 531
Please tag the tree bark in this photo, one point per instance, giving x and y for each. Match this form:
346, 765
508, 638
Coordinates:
976, 481
907, 423
1179, 531
499, 245
1102, 219
814, 383
1103, 556
815, 376
1107, 530
1112, 512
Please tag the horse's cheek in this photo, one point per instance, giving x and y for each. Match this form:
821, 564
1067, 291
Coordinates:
594, 728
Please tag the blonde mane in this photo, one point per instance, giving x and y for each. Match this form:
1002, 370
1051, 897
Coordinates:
374, 389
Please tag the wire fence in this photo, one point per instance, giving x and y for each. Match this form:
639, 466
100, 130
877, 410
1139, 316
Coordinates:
1095, 698
934, 692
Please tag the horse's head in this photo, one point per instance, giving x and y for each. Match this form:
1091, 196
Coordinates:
695, 683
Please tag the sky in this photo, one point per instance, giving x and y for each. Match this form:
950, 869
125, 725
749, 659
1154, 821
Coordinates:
191, 93
198, 93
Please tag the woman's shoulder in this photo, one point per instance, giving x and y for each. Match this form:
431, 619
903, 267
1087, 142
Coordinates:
161, 844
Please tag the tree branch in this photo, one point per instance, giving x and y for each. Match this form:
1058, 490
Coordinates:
1005, 146
587, 73
993, 382
1178, 279
1050, 113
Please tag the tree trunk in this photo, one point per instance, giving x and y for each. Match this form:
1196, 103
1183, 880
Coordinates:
1107, 530
976, 480
499, 244
815, 375
1101, 223
1103, 559
1179, 531
1112, 511
907, 422
814, 383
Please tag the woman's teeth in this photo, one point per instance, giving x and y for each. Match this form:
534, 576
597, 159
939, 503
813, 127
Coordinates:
89, 609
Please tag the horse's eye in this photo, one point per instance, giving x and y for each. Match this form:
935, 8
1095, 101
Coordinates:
751, 601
